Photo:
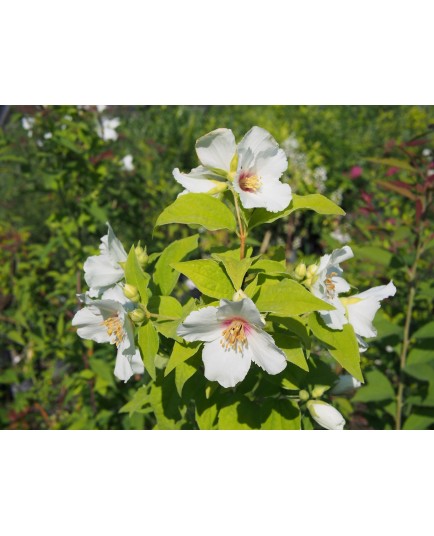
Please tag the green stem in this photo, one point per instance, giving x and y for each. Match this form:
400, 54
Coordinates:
242, 231
406, 338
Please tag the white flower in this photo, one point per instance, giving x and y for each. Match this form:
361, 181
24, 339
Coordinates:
328, 283
101, 108
107, 320
340, 236
345, 384
325, 415
361, 308
260, 165
233, 337
254, 167
106, 129
28, 124
103, 271
127, 163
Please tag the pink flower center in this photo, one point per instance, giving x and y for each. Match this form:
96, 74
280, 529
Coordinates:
235, 334
248, 182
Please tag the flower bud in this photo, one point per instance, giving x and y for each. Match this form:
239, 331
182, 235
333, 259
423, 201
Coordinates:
304, 395
141, 255
239, 295
218, 187
325, 415
300, 271
308, 282
312, 270
345, 384
131, 293
319, 390
138, 315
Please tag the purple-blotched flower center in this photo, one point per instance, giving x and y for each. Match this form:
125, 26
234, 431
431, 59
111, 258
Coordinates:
249, 182
234, 334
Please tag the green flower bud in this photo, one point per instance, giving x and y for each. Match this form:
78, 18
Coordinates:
218, 188
304, 395
141, 255
137, 316
319, 390
131, 293
300, 271
312, 270
239, 295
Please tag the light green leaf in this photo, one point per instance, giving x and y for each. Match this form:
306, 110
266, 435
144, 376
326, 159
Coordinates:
425, 332
206, 419
292, 348
240, 415
423, 371
183, 372
180, 353
198, 209
149, 343
377, 388
208, 276
169, 307
140, 399
164, 276
342, 345
288, 298
316, 202
164, 400
269, 267
294, 325
134, 275
102, 369
235, 268
282, 414
420, 420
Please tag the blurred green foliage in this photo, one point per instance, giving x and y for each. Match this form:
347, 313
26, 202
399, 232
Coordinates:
61, 181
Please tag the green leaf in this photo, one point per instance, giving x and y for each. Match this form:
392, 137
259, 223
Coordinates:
103, 369
183, 372
342, 345
140, 399
169, 307
295, 325
423, 371
198, 209
208, 276
164, 276
282, 414
292, 348
425, 332
288, 298
180, 353
134, 275
377, 388
421, 419
206, 419
235, 268
165, 402
269, 267
316, 202
393, 162
240, 415
149, 343
373, 254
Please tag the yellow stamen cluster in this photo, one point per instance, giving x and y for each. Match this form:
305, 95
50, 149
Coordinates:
250, 184
234, 336
114, 329
330, 286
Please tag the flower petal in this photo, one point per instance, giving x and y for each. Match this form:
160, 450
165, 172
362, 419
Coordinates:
244, 309
101, 271
334, 319
89, 322
225, 366
265, 353
272, 195
201, 325
216, 149
270, 164
362, 313
326, 415
123, 369
341, 255
115, 248
257, 140
197, 181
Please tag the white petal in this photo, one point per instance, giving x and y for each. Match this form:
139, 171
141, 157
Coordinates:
196, 182
270, 164
216, 149
362, 313
273, 195
101, 271
116, 294
244, 309
257, 140
123, 369
225, 366
341, 255
89, 322
137, 363
335, 319
201, 325
265, 353
325, 415
345, 384
341, 285
115, 248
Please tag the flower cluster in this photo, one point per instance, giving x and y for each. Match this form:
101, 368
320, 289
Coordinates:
108, 318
